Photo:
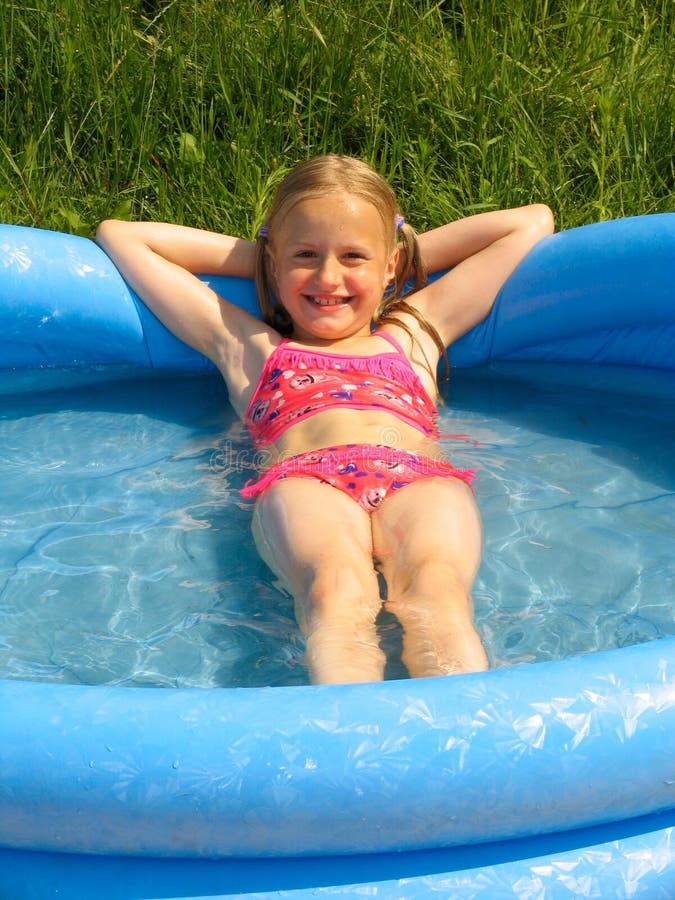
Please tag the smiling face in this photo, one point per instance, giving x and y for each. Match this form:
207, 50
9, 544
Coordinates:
331, 261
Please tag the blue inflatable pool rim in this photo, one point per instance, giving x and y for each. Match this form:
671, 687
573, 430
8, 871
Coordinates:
496, 760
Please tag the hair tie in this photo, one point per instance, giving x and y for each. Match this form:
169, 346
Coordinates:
263, 231
399, 221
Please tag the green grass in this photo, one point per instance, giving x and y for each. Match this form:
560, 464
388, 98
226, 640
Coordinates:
192, 110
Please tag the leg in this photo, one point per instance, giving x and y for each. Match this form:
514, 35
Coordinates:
427, 539
319, 542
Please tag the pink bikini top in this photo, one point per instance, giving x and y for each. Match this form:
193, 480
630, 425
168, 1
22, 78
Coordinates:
296, 384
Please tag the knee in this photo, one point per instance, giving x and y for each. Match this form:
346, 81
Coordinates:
433, 576
430, 590
339, 593
335, 580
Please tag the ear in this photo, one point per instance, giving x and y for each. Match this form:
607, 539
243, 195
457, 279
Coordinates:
390, 268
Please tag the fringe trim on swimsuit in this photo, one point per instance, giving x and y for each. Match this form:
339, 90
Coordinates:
387, 364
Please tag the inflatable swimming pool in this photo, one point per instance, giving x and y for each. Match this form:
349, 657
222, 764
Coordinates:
543, 780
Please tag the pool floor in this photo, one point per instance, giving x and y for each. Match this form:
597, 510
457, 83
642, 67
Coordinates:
126, 557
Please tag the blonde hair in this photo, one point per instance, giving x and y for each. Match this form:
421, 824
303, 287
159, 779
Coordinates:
329, 174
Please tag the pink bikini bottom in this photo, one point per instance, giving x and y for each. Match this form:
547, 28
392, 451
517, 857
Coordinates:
366, 472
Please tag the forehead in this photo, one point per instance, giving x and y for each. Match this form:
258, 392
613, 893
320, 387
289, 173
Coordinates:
336, 214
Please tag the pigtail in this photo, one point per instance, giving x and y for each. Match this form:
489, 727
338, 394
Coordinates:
413, 269
410, 277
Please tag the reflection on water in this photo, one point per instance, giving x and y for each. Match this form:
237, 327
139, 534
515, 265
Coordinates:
126, 558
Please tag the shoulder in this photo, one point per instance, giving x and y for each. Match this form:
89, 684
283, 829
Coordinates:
417, 344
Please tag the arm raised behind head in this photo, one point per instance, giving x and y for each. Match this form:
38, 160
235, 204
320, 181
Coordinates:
481, 252
159, 262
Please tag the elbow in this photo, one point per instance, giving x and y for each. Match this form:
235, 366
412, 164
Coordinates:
105, 230
114, 234
541, 221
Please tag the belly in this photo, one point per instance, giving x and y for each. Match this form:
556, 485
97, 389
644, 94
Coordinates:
353, 426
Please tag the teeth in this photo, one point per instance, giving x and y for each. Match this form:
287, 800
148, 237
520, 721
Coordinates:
329, 301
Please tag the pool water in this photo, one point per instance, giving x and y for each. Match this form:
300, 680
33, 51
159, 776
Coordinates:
126, 557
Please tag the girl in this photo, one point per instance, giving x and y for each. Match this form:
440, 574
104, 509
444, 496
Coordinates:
357, 481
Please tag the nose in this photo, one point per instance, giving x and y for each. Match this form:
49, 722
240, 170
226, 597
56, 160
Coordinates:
328, 272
